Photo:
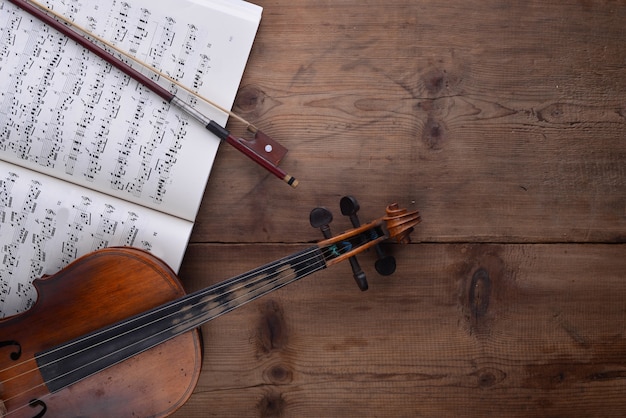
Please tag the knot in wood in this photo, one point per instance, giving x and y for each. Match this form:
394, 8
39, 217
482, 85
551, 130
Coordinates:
272, 405
480, 293
249, 99
488, 377
278, 374
272, 332
434, 134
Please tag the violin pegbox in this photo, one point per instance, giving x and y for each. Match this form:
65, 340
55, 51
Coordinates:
321, 218
386, 264
398, 223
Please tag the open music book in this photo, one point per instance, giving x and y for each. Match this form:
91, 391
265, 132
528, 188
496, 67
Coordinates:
89, 158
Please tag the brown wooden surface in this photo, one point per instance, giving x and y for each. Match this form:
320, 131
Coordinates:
504, 124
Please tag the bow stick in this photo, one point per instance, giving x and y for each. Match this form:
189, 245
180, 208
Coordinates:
263, 149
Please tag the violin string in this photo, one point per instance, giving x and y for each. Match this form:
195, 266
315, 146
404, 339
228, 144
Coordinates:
259, 292
178, 302
141, 63
256, 293
325, 252
183, 300
282, 280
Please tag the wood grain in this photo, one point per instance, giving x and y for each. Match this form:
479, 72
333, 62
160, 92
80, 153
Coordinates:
466, 329
504, 124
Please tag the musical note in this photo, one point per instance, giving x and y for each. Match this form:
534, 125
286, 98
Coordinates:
12, 250
82, 218
69, 114
80, 102
203, 68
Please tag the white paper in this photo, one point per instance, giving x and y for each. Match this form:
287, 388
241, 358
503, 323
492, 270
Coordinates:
88, 157
67, 113
44, 225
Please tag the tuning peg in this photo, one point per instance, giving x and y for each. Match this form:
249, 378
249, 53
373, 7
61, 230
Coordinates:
321, 218
349, 207
358, 274
386, 264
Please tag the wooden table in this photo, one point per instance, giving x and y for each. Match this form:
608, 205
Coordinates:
504, 123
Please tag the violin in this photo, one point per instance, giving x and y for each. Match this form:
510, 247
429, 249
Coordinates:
114, 334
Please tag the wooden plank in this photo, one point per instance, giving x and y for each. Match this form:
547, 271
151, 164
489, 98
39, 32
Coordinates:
459, 330
502, 122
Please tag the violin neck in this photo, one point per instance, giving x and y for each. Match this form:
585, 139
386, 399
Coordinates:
216, 300
77, 359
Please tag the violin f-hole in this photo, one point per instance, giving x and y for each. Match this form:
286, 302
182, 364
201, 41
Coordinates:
34, 403
16, 354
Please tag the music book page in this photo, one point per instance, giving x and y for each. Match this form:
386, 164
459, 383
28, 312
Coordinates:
44, 225
101, 141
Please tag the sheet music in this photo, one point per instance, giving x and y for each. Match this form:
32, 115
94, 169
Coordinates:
44, 226
67, 113
88, 157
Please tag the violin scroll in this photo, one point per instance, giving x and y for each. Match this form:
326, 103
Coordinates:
397, 224
400, 223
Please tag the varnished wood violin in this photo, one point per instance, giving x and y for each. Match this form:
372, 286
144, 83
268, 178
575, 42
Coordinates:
113, 333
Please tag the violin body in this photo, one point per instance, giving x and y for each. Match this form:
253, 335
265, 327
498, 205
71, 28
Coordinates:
114, 334
95, 291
